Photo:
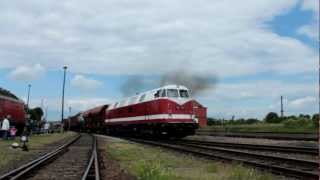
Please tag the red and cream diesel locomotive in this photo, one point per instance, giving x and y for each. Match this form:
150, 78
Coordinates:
168, 110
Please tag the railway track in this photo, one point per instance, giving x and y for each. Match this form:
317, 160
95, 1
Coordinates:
298, 168
273, 148
69, 161
264, 135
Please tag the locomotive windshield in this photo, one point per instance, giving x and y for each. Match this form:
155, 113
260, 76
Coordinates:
183, 93
172, 93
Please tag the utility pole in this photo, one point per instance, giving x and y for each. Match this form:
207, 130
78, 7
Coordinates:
281, 107
42, 102
28, 97
70, 111
42, 107
319, 88
46, 113
69, 117
63, 88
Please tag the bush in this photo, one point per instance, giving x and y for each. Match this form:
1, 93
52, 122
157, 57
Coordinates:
296, 124
213, 122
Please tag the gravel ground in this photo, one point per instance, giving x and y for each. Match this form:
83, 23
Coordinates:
254, 141
110, 169
70, 165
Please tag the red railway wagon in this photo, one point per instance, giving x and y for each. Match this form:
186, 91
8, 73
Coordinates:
94, 118
168, 110
74, 123
16, 109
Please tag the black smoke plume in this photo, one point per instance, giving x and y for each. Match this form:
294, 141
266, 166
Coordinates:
133, 85
195, 82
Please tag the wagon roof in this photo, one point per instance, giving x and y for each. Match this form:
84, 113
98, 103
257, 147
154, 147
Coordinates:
96, 110
6, 93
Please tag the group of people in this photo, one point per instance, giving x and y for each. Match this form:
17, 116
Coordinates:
6, 129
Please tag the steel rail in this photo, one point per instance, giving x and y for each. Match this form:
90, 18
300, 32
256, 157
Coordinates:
277, 168
275, 148
263, 135
22, 170
314, 164
93, 163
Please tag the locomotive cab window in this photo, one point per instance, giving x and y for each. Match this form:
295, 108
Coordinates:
122, 103
163, 93
115, 106
142, 97
157, 94
172, 93
183, 93
133, 100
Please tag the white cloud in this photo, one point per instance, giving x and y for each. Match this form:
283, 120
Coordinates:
257, 98
312, 5
311, 30
81, 104
228, 38
76, 103
143, 37
271, 89
303, 102
27, 73
84, 83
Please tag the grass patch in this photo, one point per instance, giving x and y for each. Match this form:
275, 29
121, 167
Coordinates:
243, 173
290, 126
152, 163
7, 154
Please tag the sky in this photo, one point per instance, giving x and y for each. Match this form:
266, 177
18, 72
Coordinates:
257, 51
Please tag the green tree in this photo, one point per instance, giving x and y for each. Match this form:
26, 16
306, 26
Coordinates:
272, 117
36, 114
252, 121
315, 120
213, 121
304, 116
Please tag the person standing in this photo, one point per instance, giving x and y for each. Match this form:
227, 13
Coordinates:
1, 133
46, 127
13, 132
5, 127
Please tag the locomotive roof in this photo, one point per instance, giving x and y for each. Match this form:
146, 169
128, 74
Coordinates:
95, 110
173, 87
144, 96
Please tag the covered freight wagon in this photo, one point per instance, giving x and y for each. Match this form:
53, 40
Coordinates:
94, 118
